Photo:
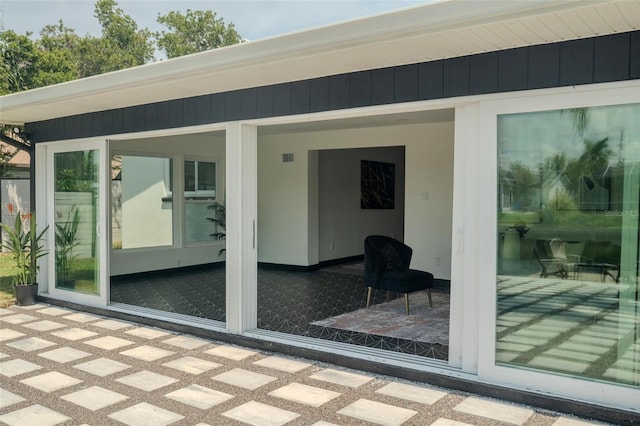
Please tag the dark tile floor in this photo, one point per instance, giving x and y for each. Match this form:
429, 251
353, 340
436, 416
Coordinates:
288, 302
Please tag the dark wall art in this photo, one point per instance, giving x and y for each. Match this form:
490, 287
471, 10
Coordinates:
377, 185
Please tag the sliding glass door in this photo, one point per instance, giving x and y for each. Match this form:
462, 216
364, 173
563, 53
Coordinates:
76, 207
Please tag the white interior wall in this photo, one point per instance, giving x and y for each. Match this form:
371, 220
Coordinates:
343, 224
207, 145
284, 221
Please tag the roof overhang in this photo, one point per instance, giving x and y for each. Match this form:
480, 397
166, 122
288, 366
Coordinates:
436, 30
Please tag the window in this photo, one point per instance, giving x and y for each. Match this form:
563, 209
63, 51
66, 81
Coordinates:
568, 242
200, 178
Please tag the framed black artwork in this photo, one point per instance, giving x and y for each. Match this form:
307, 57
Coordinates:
377, 185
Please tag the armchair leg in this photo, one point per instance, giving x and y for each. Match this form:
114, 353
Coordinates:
406, 303
369, 296
429, 295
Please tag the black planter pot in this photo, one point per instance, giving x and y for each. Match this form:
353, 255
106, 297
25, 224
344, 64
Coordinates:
26, 294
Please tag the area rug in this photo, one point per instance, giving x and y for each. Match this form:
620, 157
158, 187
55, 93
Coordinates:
423, 324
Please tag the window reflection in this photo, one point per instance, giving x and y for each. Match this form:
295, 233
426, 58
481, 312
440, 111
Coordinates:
568, 220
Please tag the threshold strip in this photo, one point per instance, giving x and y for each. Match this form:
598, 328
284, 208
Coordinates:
199, 322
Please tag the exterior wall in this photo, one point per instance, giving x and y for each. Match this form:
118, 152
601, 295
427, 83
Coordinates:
585, 61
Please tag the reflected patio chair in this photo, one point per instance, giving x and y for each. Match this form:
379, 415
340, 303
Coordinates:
558, 262
386, 267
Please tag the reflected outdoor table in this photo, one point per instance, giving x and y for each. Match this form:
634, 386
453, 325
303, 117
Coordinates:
604, 269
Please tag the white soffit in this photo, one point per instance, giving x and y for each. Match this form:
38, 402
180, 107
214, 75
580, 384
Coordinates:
429, 32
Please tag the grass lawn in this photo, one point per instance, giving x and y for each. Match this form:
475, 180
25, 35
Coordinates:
7, 272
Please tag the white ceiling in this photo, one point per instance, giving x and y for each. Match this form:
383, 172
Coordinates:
441, 30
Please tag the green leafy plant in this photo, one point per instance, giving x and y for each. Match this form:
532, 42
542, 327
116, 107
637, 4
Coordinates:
25, 245
66, 233
220, 219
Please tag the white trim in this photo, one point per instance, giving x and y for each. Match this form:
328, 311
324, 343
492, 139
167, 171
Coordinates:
484, 210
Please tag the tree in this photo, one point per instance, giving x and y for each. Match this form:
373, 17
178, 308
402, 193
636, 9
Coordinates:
195, 31
19, 62
6, 155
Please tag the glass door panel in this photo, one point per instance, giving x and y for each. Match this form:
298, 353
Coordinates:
76, 214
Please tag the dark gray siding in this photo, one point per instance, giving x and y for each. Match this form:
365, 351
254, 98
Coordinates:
594, 60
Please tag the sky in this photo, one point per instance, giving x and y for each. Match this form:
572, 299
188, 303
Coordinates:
253, 19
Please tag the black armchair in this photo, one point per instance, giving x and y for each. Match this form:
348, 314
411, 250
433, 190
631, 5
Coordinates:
386, 267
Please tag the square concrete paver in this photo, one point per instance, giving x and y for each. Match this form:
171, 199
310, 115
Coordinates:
65, 354
231, 352
185, 342
7, 398
80, 317
112, 325
102, 367
414, 393
258, 414
303, 394
108, 343
3, 355
446, 422
192, 365
51, 382
74, 334
147, 353
53, 311
147, 333
282, 364
377, 412
199, 396
34, 415
494, 410
8, 334
5, 311
244, 378
566, 421
146, 380
44, 325
18, 318
340, 377
145, 414
15, 367
94, 398
31, 344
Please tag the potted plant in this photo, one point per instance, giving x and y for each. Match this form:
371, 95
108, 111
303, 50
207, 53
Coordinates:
66, 233
24, 243
220, 220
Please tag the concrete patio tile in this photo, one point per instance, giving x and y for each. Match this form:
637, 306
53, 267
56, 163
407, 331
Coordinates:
146, 380
51, 382
377, 412
147, 333
494, 410
44, 325
147, 353
15, 367
74, 334
34, 415
340, 377
446, 422
18, 318
8, 334
3, 355
64, 354
282, 364
414, 393
145, 414
112, 325
82, 318
109, 343
244, 378
31, 344
303, 394
258, 414
323, 423
8, 398
186, 342
29, 307
192, 365
102, 367
5, 311
199, 396
53, 311
230, 352
94, 398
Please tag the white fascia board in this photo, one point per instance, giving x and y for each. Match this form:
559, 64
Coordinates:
427, 19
